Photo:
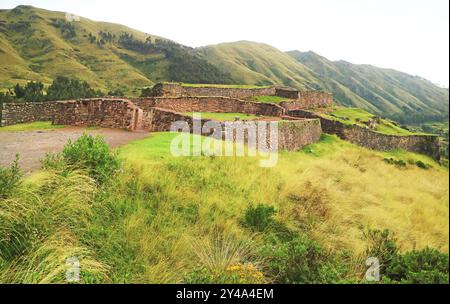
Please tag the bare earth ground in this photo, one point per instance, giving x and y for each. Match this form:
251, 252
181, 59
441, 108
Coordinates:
32, 146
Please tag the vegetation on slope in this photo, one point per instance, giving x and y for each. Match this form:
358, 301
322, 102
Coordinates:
313, 218
361, 118
37, 44
40, 45
260, 64
399, 96
384, 92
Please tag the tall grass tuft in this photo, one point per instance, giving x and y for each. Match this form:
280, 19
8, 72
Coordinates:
38, 225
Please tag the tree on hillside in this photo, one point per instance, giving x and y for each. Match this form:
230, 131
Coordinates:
6, 97
64, 88
19, 91
31, 92
117, 93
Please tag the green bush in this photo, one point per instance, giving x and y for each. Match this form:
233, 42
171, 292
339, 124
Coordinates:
87, 153
427, 266
260, 217
399, 163
299, 261
423, 165
10, 177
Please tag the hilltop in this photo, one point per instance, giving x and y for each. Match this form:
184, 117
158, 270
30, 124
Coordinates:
37, 44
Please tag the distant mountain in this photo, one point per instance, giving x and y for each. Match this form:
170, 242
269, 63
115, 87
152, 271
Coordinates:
261, 64
381, 91
37, 44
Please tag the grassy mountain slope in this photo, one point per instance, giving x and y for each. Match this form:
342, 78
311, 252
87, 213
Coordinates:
382, 91
257, 63
37, 44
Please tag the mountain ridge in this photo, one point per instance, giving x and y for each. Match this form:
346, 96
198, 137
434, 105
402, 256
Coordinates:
37, 44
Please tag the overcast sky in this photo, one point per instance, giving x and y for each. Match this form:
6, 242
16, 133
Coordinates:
407, 35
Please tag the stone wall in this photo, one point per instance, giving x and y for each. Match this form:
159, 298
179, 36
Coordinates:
295, 134
424, 144
108, 113
292, 135
309, 100
24, 112
178, 90
287, 93
210, 104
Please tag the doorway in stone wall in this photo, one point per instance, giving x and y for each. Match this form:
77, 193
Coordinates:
137, 126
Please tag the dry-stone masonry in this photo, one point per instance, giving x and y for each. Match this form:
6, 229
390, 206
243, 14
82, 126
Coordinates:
158, 113
23, 112
424, 144
178, 90
309, 100
109, 113
211, 104
292, 134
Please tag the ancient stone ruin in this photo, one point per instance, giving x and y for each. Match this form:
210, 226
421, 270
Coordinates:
167, 103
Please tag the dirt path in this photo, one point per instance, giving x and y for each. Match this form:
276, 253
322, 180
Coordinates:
32, 146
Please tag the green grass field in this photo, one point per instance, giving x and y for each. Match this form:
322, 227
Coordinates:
166, 219
226, 86
268, 99
224, 116
34, 126
359, 116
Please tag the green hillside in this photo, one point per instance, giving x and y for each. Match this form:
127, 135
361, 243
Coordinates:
381, 91
37, 44
384, 92
260, 64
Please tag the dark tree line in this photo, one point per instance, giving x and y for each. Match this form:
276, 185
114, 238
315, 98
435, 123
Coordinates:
62, 88
185, 64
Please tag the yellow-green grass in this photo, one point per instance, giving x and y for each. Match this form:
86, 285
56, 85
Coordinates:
359, 117
268, 99
355, 186
162, 216
224, 116
33, 126
226, 86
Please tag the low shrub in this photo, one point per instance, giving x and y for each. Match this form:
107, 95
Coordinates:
299, 261
423, 165
260, 217
398, 163
426, 266
87, 153
10, 178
